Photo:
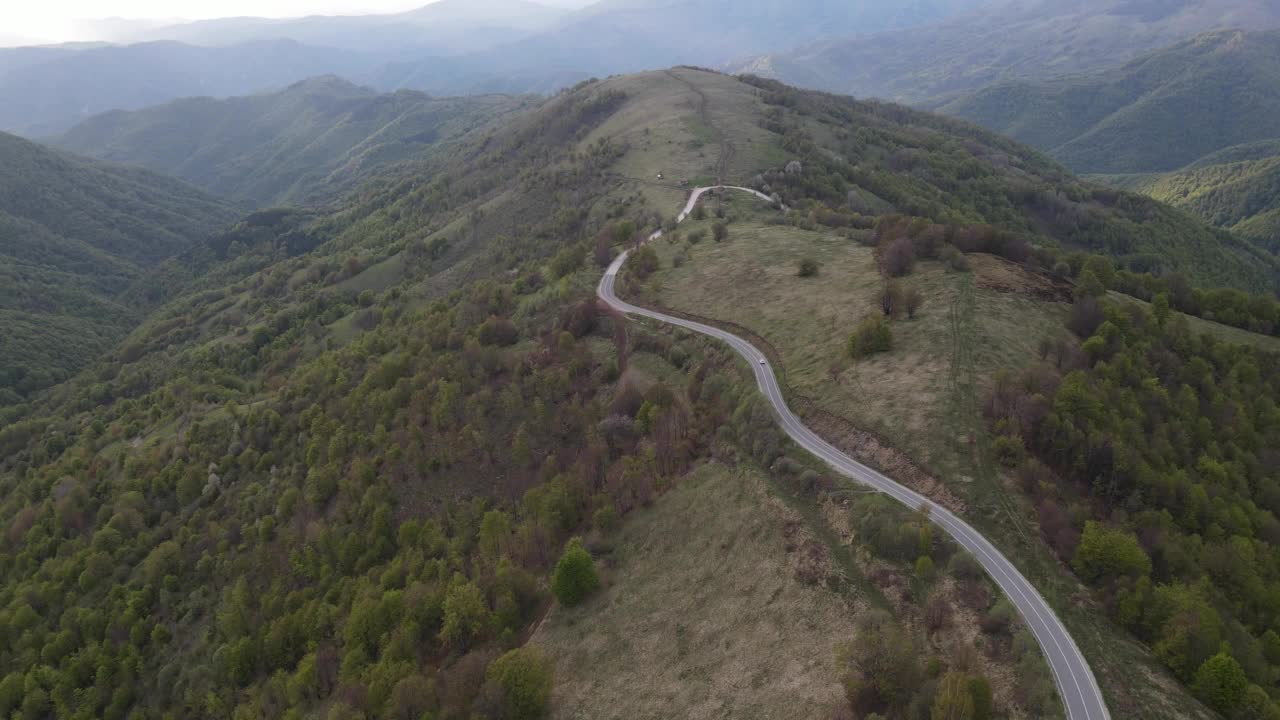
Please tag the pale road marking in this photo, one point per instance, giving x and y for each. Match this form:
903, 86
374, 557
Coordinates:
1082, 701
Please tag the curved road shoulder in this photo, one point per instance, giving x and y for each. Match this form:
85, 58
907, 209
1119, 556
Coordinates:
1076, 684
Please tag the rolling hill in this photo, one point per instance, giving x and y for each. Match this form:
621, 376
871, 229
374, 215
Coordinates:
74, 235
1003, 40
333, 472
301, 145
1157, 113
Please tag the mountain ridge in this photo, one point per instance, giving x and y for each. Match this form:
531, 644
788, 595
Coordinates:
304, 144
1003, 40
49, 96
1160, 112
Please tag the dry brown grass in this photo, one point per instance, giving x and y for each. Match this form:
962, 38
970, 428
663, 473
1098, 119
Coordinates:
999, 275
902, 395
663, 131
703, 615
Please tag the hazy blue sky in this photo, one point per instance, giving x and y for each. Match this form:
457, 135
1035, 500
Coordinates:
58, 20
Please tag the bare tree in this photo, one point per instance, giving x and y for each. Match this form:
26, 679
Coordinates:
898, 257
890, 298
912, 301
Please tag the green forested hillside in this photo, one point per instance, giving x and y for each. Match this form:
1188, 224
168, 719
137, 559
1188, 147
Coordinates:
1157, 113
951, 173
1004, 42
332, 474
1242, 196
307, 143
1151, 458
73, 235
1260, 150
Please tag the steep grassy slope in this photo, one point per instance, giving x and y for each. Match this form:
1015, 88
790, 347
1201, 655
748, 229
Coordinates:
1004, 40
1157, 113
308, 142
333, 472
767, 648
73, 235
749, 594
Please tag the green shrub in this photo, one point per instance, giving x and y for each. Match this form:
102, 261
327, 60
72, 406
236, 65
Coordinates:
523, 679
497, 331
1106, 553
873, 335
953, 259
575, 576
605, 518
1220, 683
1008, 450
643, 262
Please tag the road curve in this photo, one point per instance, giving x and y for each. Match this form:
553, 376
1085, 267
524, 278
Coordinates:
1076, 684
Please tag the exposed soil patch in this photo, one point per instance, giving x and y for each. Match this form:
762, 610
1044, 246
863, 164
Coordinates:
999, 275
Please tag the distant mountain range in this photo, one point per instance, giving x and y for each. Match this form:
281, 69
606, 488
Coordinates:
304, 144
1003, 40
73, 235
1193, 125
1159, 112
446, 27
448, 47
45, 91
616, 36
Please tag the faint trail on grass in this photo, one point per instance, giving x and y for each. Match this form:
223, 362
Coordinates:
726, 148
966, 415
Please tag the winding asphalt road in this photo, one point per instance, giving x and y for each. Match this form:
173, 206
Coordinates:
1076, 685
